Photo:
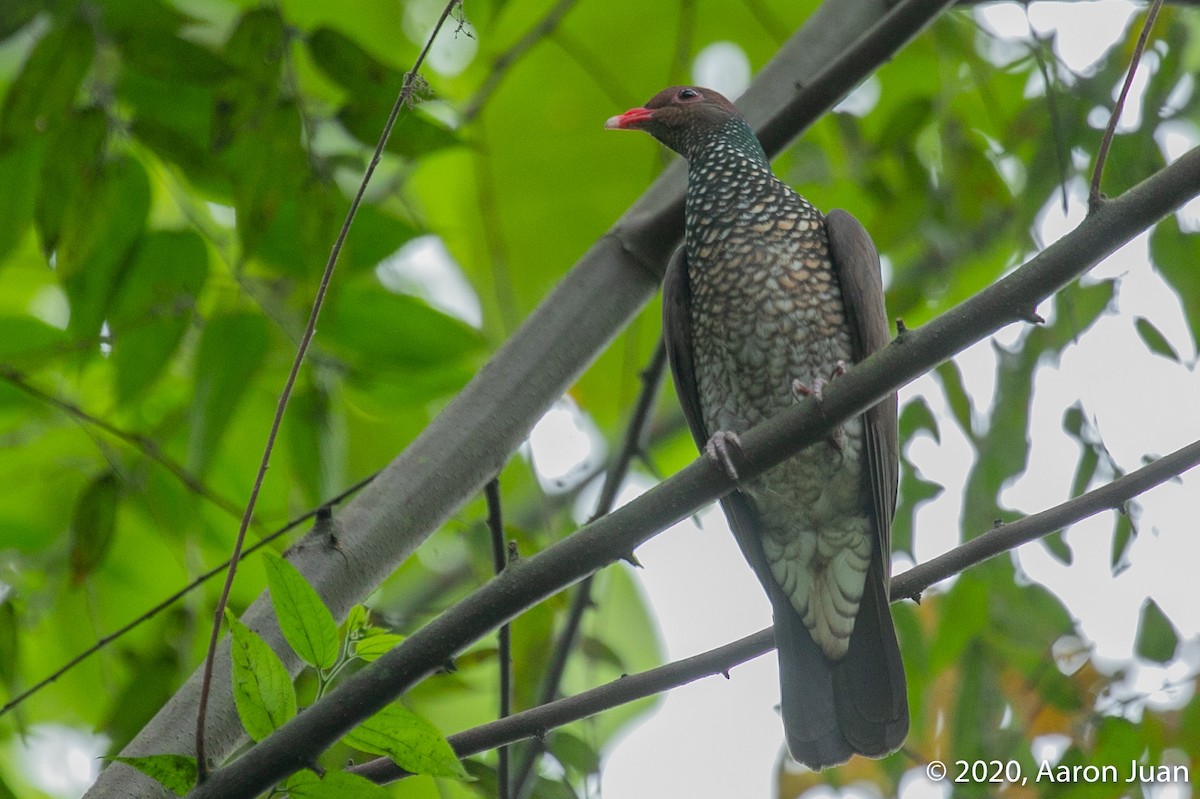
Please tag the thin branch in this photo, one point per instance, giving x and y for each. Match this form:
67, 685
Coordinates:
536, 721
581, 600
1094, 197
147, 446
506, 60
106, 640
495, 523
531, 580
404, 99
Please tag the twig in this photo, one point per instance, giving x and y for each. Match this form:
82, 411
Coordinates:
505, 61
403, 100
495, 523
136, 440
175, 597
1094, 198
537, 720
581, 600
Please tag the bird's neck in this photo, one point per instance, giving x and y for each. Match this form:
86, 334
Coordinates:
727, 171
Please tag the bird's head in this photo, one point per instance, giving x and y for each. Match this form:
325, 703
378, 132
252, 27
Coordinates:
679, 116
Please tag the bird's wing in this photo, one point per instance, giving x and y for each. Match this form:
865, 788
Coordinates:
677, 337
857, 263
869, 685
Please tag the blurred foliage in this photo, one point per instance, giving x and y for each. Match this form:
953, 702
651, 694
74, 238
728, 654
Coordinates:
174, 173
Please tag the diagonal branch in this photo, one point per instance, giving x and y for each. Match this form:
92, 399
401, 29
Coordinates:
536, 721
530, 581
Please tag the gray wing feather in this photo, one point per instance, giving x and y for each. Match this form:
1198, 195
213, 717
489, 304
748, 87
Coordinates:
870, 690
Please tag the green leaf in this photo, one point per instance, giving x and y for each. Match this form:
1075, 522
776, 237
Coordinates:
413, 135
255, 49
93, 524
410, 741
169, 57
15, 14
376, 643
359, 618
25, 339
374, 328
964, 617
334, 785
915, 417
1175, 255
176, 121
574, 752
176, 773
1119, 740
1085, 471
1057, 546
374, 86
156, 302
1157, 638
915, 491
262, 687
956, 396
1124, 532
152, 16
72, 174
272, 168
44, 92
99, 230
1154, 340
19, 172
303, 616
10, 647
375, 235
232, 349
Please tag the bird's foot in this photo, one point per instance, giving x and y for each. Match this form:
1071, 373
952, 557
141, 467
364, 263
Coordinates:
721, 448
817, 389
837, 439
804, 391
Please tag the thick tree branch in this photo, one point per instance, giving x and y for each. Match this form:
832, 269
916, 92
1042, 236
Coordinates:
471, 439
530, 581
535, 722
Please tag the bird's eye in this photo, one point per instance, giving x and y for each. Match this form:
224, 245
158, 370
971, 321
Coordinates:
687, 94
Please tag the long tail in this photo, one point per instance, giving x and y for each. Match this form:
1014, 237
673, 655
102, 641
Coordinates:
858, 705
